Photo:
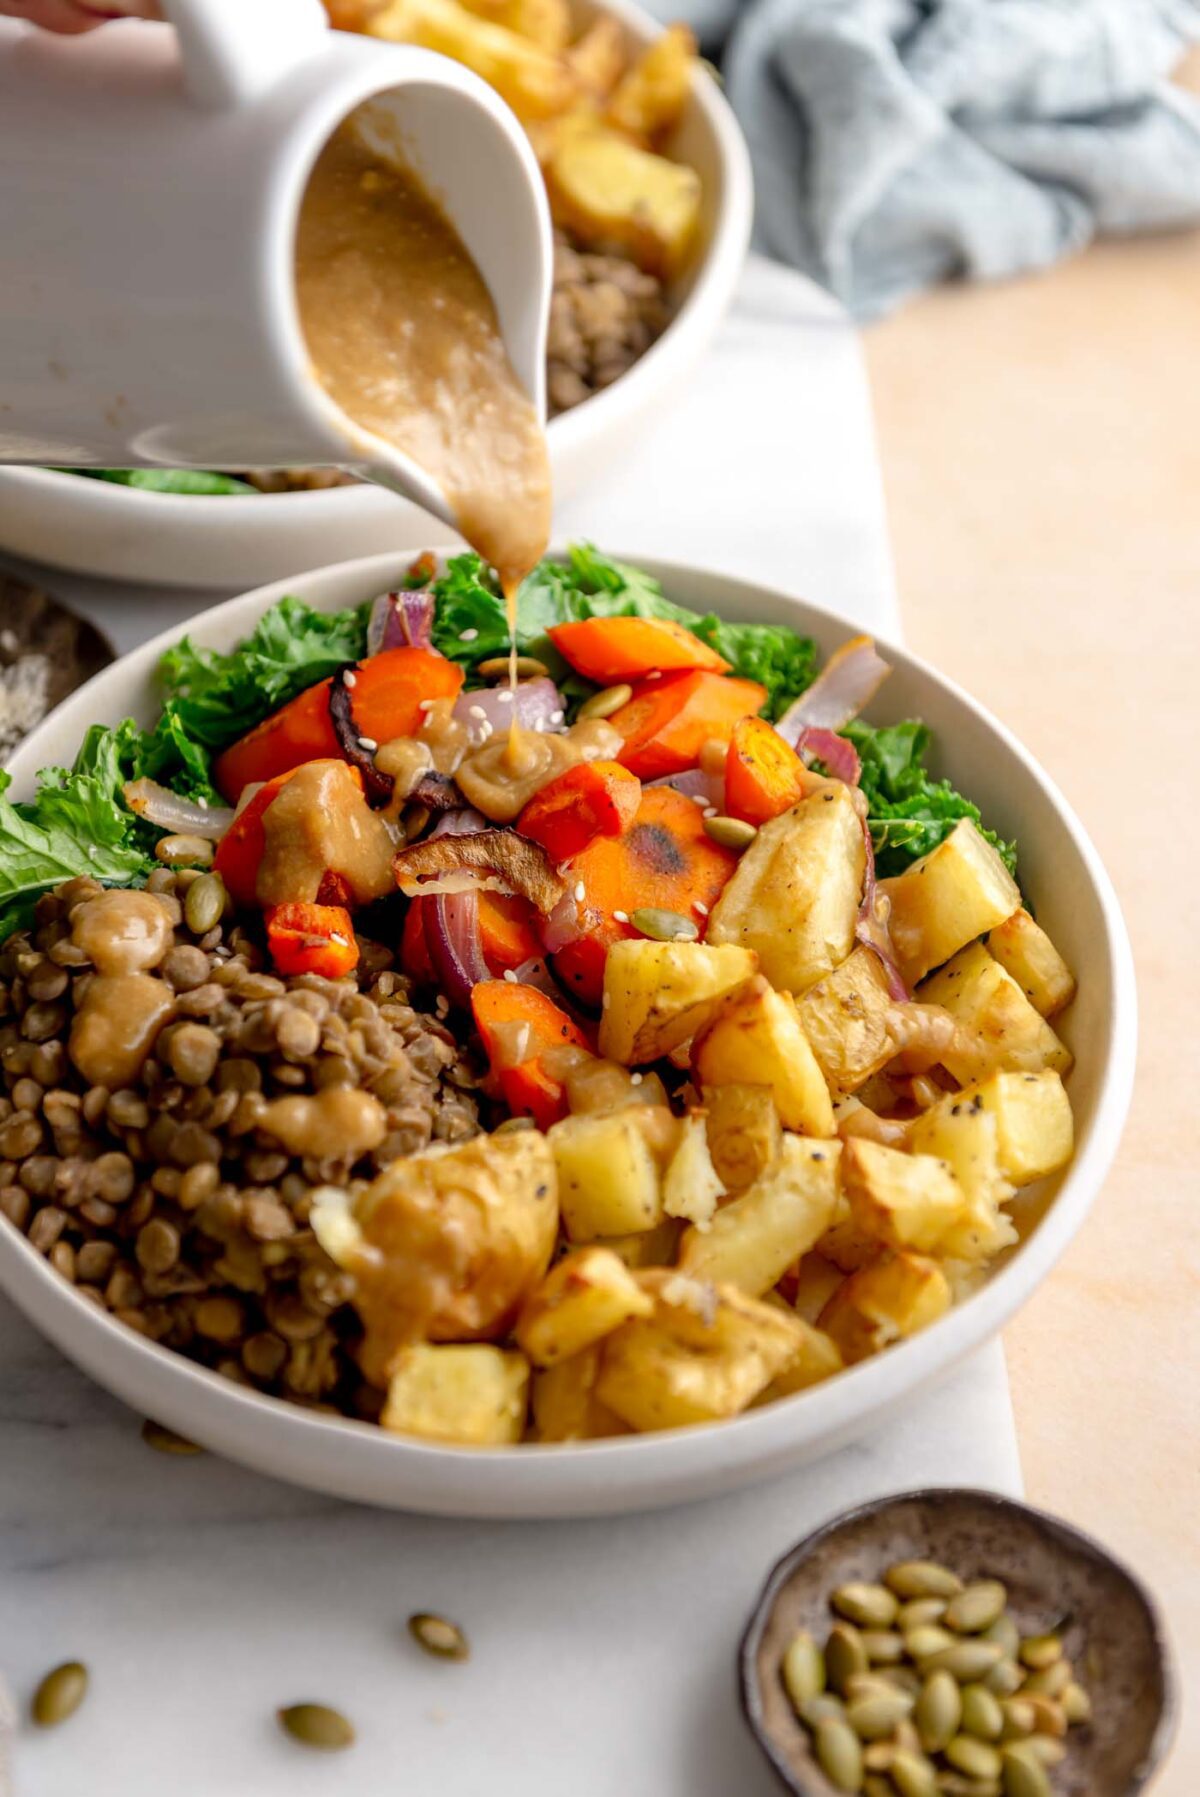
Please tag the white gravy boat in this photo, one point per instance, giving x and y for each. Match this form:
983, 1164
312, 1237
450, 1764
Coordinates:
150, 180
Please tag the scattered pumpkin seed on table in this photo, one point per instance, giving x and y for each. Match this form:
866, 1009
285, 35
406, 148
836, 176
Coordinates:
59, 1694
438, 1636
316, 1725
165, 1441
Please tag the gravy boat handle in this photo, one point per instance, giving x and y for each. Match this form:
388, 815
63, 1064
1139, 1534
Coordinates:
232, 50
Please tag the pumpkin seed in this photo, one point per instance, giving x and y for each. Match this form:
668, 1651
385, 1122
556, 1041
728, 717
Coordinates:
165, 1441
1049, 1681
730, 832
1004, 1678
981, 1713
906, 1736
977, 1607
967, 1661
184, 851
919, 1612
875, 1785
928, 1640
1019, 1718
603, 704
876, 1715
870, 1606
884, 1646
825, 1707
922, 1578
1048, 1718
1024, 1775
1005, 1631
60, 1694
439, 1637
803, 1669
1076, 1704
1046, 1750
316, 1725
839, 1754
905, 1678
878, 1756
844, 1655
1040, 1650
664, 926
973, 1757
938, 1711
869, 1684
204, 904
528, 667
912, 1775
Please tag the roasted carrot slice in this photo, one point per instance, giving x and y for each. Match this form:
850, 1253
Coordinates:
595, 798
385, 703
520, 1027
764, 776
414, 952
506, 930
664, 860
312, 939
667, 722
611, 649
241, 848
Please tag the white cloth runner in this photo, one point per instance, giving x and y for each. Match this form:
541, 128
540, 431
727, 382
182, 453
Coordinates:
203, 1597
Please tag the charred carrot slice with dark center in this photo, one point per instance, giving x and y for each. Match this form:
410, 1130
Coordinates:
609, 650
301, 731
520, 1028
764, 776
667, 722
312, 939
596, 798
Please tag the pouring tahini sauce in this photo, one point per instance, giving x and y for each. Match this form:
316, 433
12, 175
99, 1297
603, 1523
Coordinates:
404, 338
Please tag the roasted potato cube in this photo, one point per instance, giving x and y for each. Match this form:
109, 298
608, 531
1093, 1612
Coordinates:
564, 1402
471, 1225
536, 83
817, 1357
597, 59
761, 1034
816, 1281
845, 1018
706, 1353
655, 1247
546, 22
608, 190
894, 1296
744, 1132
589, 1293
657, 995
1035, 1132
998, 1029
845, 1243
753, 1240
472, 1394
902, 1200
1023, 949
962, 1133
796, 891
691, 1187
651, 96
608, 1179
943, 901
594, 1084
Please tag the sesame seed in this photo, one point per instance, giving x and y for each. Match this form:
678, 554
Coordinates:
468, 636
698, 798
698, 905
441, 1004
539, 724
710, 811
93, 854
635, 1079
203, 803
476, 711
510, 976
350, 678
606, 1001
579, 892
336, 936
486, 729
504, 696
556, 717
426, 704
621, 916
654, 674
368, 743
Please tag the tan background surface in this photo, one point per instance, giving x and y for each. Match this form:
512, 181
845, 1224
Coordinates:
1041, 453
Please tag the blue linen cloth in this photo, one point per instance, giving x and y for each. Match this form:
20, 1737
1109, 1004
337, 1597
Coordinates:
897, 143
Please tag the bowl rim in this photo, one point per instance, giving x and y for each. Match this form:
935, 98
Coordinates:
1076, 1540
758, 1441
706, 298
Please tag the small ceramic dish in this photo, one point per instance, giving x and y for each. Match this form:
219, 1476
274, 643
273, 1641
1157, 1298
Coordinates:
1056, 1578
1063, 878
125, 533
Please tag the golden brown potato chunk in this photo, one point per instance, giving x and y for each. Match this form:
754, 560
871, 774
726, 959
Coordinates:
998, 1029
744, 1132
894, 1296
943, 901
473, 1395
588, 1294
845, 1018
761, 1034
1023, 949
657, 995
753, 1240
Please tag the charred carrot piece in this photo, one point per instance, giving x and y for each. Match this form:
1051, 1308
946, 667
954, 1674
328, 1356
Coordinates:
312, 939
667, 722
519, 1027
300, 731
506, 931
389, 689
664, 861
609, 650
240, 850
414, 952
595, 798
764, 776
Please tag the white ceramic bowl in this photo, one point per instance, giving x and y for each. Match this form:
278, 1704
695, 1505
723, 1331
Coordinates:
1075, 901
97, 527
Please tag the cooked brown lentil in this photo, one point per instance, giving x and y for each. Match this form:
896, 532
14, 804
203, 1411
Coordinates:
167, 1203
604, 314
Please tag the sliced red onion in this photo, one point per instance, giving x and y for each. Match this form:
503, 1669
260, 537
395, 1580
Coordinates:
537, 973
694, 783
563, 926
464, 822
402, 620
838, 755
847, 682
536, 705
871, 929
455, 946
183, 817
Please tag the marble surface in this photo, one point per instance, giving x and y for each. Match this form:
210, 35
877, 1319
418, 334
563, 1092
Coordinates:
203, 1597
